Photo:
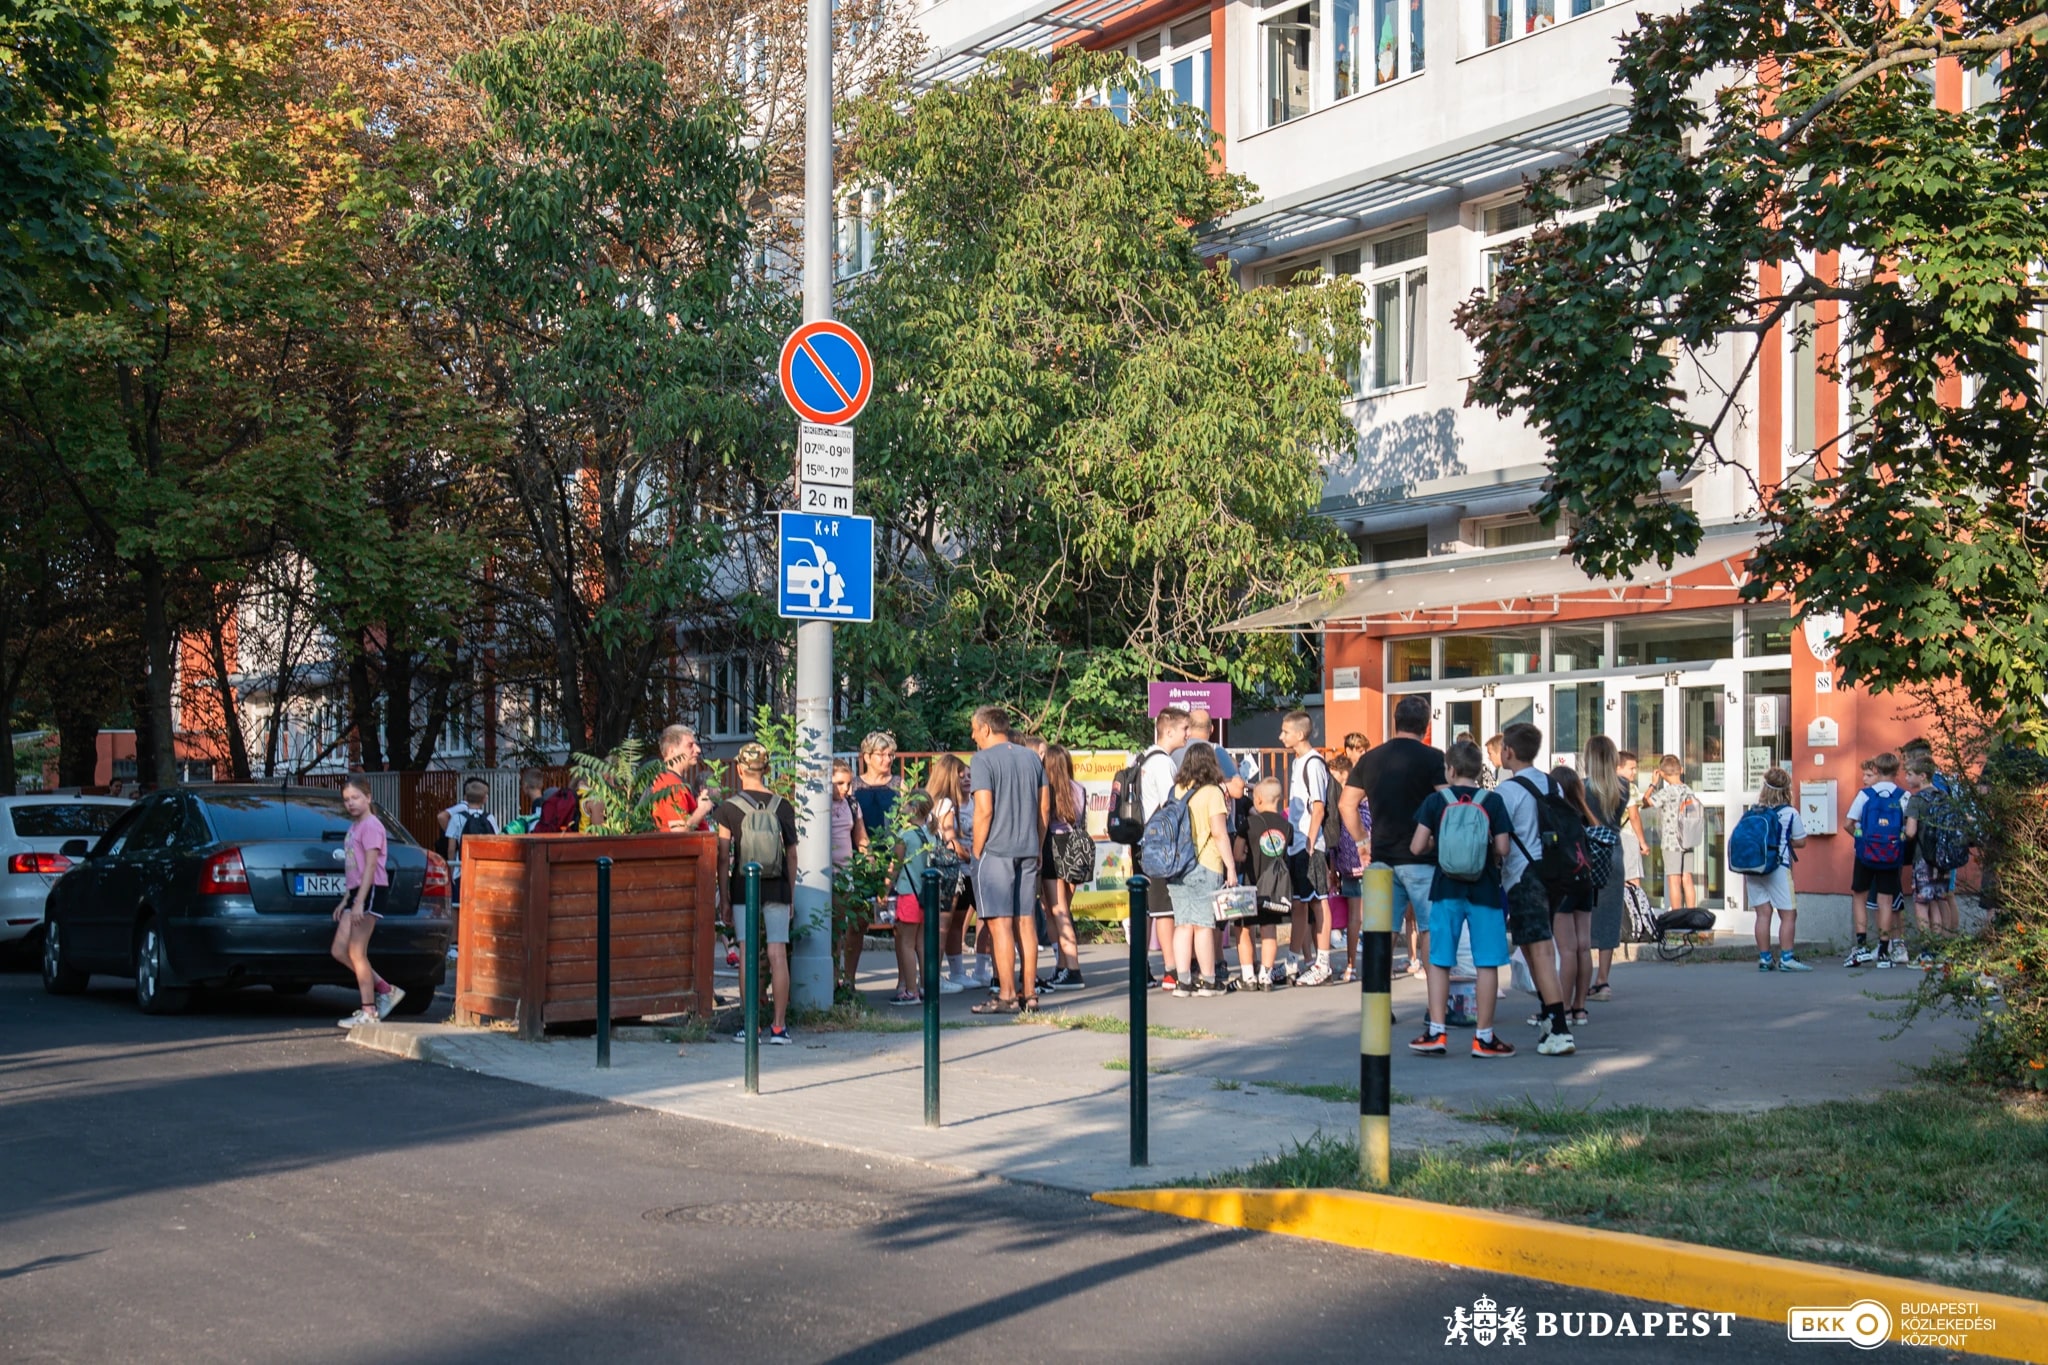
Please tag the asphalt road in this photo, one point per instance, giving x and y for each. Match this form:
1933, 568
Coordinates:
241, 1185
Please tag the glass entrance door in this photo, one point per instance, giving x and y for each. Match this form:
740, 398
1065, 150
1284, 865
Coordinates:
1689, 717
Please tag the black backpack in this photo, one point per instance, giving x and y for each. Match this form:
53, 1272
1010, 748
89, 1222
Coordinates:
1561, 856
1127, 803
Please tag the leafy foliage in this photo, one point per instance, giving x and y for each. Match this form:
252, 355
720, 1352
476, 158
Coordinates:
1822, 185
1088, 447
623, 783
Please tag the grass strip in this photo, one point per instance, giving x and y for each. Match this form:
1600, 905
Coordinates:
1946, 1184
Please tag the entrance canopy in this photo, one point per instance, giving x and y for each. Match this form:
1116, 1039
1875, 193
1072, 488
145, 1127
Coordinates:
1480, 589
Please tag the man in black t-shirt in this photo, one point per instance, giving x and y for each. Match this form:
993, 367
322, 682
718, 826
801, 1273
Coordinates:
755, 799
1392, 781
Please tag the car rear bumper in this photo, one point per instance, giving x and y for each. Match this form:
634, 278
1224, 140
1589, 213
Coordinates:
22, 896
233, 949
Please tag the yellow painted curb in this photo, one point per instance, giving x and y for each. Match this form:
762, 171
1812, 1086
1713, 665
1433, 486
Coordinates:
1652, 1268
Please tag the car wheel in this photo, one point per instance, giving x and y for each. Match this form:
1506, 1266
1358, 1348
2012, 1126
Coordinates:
418, 996
152, 968
59, 977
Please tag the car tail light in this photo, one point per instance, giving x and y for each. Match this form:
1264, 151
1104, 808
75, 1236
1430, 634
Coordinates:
224, 874
47, 864
437, 885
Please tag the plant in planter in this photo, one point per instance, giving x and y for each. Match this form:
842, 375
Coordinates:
622, 785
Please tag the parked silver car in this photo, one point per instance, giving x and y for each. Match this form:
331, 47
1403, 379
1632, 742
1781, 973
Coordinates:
32, 831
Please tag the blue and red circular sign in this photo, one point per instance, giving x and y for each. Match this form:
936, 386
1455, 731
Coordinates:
826, 373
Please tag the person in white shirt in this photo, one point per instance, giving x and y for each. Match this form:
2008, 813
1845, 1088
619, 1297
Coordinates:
464, 816
1157, 768
1529, 913
1308, 798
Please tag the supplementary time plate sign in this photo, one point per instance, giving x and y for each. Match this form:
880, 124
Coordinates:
826, 373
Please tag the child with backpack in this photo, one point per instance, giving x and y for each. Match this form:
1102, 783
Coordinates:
1877, 822
1266, 835
1347, 869
1681, 829
906, 876
1935, 832
755, 825
1467, 831
1760, 850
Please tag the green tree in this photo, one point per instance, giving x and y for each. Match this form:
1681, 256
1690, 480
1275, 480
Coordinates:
1089, 447
1781, 159
596, 240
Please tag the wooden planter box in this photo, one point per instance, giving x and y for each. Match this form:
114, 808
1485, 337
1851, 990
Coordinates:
529, 927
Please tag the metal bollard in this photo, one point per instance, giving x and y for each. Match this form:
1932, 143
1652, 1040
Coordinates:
1141, 926
604, 963
1375, 932
929, 898
750, 985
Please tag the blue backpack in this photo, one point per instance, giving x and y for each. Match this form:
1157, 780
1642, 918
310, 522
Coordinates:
1167, 850
1881, 829
1754, 846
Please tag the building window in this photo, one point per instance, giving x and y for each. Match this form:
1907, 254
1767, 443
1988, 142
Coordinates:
1576, 647
1290, 52
1408, 659
1393, 548
1397, 292
1500, 654
1673, 638
1767, 631
856, 235
1176, 59
1500, 533
1507, 20
732, 687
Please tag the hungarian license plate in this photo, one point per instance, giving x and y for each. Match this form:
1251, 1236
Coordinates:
316, 884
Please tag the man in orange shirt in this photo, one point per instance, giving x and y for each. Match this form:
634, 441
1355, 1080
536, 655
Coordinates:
677, 808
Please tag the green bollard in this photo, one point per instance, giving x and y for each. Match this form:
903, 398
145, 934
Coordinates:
751, 986
604, 963
1141, 926
929, 896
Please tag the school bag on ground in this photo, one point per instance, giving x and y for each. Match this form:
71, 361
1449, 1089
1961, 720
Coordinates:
761, 835
1642, 916
1881, 829
1756, 841
1168, 849
1560, 855
1944, 841
1463, 839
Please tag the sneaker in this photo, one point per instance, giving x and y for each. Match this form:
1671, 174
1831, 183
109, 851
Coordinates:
732, 957
1317, 974
950, 986
1183, 991
1898, 952
1047, 985
1431, 1045
1067, 979
451, 952
1556, 1045
388, 1001
1495, 1046
1859, 955
1789, 963
1170, 983
1884, 962
1276, 980
365, 1015
1926, 962
779, 1036
906, 998
1211, 989
1601, 993
1763, 964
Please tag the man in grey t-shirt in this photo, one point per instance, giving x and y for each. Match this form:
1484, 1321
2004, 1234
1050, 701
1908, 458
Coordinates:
1011, 803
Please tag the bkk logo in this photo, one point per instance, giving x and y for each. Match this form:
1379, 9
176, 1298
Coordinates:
1486, 1323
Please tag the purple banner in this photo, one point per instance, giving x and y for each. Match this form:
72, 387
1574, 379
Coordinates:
1187, 695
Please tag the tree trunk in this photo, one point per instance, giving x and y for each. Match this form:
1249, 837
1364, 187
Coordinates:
398, 727
78, 716
230, 713
362, 709
158, 764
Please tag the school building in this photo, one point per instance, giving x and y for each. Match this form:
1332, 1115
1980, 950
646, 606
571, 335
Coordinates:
1391, 140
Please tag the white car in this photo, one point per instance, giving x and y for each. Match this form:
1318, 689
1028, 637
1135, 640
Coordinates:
32, 830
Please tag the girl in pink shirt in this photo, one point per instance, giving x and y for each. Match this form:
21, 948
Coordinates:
366, 880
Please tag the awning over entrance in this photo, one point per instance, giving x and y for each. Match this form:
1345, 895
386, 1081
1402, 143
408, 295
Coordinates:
1349, 203
1037, 28
1478, 589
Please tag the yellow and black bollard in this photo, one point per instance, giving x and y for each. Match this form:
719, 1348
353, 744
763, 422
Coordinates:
1375, 950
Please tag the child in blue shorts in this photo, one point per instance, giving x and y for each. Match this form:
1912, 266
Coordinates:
1464, 829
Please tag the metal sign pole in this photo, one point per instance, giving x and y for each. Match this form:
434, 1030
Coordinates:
1141, 927
811, 953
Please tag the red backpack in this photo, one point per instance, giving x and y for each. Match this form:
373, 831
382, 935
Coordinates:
557, 812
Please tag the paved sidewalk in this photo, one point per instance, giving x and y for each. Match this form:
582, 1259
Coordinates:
1037, 1103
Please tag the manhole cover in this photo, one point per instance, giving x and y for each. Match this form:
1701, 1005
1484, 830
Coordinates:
803, 1215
